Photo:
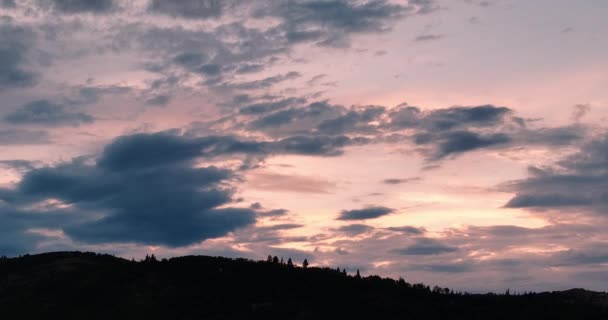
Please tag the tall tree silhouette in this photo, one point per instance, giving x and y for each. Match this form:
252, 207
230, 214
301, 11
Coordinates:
305, 264
289, 263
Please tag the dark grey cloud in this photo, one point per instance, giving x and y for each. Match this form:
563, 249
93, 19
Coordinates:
160, 100
355, 229
458, 142
578, 180
211, 70
332, 22
546, 200
400, 180
47, 113
557, 136
299, 120
426, 246
191, 60
316, 145
91, 94
326, 22
580, 110
164, 148
450, 118
356, 120
20, 165
283, 226
428, 37
218, 55
408, 230
424, 6
365, 213
250, 68
270, 106
16, 43
83, 6
437, 134
445, 267
266, 82
273, 213
15, 226
595, 255
126, 197
8, 4
189, 9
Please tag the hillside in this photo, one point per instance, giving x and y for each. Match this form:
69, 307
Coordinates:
74, 285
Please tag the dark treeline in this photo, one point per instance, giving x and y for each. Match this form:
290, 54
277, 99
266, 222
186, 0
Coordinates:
74, 285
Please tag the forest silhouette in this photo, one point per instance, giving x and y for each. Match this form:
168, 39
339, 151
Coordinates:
76, 285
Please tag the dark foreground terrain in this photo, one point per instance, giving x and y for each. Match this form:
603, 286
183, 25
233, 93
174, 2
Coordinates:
74, 285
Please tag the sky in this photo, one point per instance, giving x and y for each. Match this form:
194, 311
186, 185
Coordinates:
457, 143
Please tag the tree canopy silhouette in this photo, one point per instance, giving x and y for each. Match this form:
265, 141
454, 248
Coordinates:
74, 285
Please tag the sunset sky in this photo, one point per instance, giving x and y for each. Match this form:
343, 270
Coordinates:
459, 143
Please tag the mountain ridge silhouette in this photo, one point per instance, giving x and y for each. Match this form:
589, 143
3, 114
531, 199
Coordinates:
77, 285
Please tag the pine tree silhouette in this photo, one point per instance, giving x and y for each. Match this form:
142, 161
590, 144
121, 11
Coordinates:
305, 264
289, 263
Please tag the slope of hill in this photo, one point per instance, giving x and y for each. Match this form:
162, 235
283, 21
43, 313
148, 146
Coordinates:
74, 285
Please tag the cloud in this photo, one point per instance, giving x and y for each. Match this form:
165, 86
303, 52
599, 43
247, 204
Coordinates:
357, 120
15, 44
266, 82
83, 6
457, 142
426, 246
250, 68
316, 145
580, 110
20, 165
557, 136
331, 23
578, 180
265, 107
273, 213
124, 197
161, 148
365, 213
326, 23
8, 4
408, 230
428, 37
23, 137
546, 200
445, 267
400, 181
159, 100
190, 60
449, 118
355, 229
189, 9
46, 113
436, 134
